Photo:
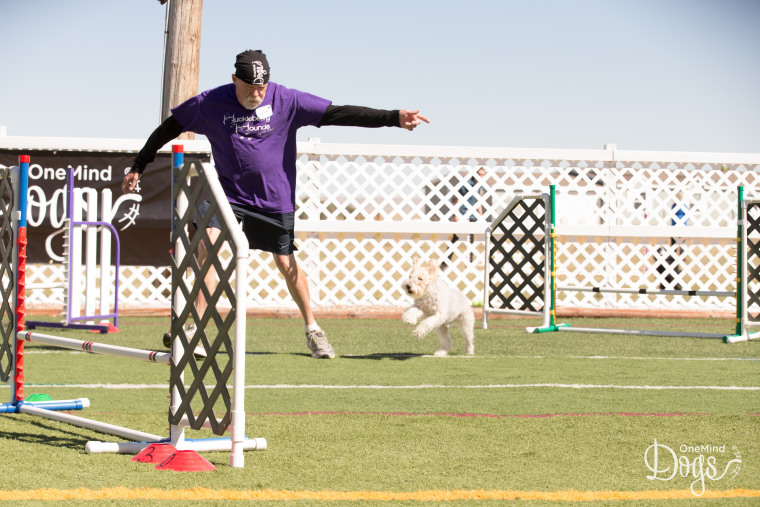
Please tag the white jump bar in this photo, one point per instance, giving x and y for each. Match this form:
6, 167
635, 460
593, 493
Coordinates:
81, 422
202, 445
97, 348
571, 329
649, 292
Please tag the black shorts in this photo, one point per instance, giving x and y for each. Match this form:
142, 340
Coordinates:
270, 232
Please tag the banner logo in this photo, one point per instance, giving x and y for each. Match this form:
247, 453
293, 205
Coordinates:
697, 462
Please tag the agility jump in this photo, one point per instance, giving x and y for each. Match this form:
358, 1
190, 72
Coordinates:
72, 237
521, 269
195, 402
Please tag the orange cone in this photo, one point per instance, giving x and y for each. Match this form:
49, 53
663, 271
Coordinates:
185, 461
155, 453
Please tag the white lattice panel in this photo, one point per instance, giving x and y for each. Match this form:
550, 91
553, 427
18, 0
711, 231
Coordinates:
365, 211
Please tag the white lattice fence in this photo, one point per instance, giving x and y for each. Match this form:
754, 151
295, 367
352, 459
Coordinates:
365, 211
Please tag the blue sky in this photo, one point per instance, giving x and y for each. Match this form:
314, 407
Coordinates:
676, 75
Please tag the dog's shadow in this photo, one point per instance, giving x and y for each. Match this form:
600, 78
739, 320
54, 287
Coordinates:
400, 356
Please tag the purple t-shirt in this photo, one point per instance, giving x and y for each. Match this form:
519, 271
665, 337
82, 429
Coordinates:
254, 150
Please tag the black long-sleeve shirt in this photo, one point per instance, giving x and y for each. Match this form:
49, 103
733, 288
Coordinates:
348, 116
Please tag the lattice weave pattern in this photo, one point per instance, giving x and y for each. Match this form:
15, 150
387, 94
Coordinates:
753, 261
201, 384
516, 257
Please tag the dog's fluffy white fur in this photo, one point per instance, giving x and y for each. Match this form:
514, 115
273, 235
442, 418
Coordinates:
440, 305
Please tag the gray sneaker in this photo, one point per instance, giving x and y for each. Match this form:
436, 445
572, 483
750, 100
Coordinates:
199, 351
317, 343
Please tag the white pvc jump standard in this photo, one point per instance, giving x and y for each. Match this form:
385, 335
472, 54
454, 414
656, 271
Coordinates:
548, 311
50, 409
237, 442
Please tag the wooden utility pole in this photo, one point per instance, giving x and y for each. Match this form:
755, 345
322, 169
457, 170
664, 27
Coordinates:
181, 54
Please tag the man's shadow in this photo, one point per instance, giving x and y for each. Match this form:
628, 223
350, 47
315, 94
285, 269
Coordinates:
399, 356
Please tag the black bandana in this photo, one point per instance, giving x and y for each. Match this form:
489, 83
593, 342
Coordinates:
252, 67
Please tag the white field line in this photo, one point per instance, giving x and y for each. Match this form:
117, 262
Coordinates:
419, 386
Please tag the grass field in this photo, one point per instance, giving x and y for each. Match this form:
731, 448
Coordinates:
529, 419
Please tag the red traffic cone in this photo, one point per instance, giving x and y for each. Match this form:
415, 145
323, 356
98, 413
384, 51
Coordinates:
111, 329
155, 453
185, 461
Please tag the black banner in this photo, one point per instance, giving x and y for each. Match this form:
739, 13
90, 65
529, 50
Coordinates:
142, 220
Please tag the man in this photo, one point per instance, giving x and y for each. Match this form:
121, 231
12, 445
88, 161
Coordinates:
470, 195
251, 125
679, 217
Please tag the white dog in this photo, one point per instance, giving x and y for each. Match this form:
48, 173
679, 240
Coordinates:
441, 306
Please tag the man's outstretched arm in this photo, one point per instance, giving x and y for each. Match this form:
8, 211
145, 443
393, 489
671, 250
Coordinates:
410, 119
168, 130
358, 116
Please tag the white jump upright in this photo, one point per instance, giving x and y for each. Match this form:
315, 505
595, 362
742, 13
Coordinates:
524, 225
191, 397
521, 270
224, 346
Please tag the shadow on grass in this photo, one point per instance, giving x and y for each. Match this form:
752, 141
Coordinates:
400, 356
268, 353
48, 435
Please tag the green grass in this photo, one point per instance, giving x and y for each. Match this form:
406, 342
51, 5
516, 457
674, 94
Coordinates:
527, 413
